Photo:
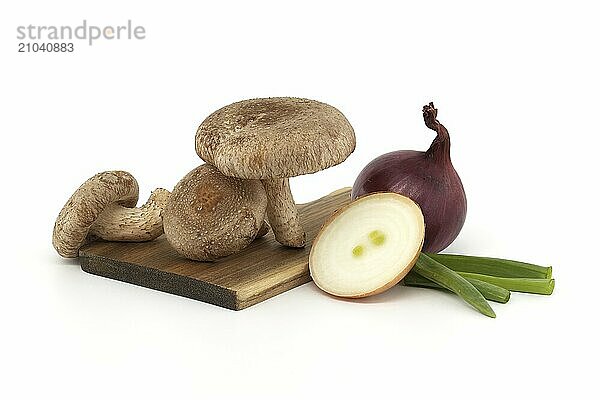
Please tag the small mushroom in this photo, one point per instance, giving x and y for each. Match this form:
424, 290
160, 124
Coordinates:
210, 215
272, 140
104, 207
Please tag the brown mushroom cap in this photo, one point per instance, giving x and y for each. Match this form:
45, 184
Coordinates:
210, 215
85, 205
272, 138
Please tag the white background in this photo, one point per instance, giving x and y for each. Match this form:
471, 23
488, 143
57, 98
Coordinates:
515, 83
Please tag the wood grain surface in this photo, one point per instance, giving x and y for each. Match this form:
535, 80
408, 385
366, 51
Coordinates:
262, 270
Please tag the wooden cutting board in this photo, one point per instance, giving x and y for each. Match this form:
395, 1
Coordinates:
262, 270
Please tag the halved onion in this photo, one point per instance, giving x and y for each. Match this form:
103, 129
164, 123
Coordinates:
367, 246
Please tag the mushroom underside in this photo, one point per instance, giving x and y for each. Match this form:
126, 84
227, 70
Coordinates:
104, 207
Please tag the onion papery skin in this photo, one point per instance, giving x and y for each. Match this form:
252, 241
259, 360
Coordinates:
429, 179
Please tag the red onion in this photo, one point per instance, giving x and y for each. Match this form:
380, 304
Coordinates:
428, 178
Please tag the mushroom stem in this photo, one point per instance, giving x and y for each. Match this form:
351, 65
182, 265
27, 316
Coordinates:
132, 224
283, 214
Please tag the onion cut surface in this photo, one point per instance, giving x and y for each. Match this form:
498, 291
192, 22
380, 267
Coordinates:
367, 246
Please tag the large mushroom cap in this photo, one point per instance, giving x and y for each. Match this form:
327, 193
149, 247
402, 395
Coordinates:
275, 138
210, 215
85, 205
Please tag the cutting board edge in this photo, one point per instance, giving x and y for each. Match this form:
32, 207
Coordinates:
155, 279
245, 300
179, 281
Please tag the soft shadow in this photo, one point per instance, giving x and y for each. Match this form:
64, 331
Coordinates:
392, 295
68, 261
